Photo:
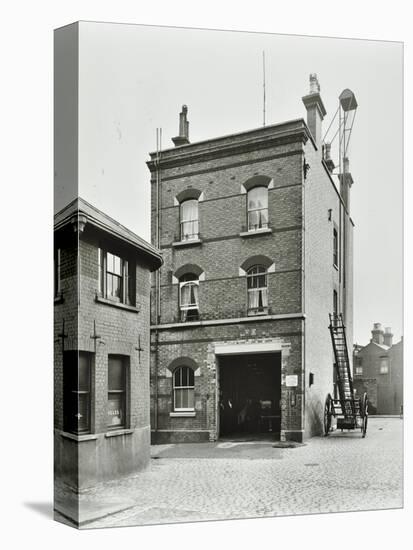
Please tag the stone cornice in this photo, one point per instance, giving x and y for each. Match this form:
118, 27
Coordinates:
262, 138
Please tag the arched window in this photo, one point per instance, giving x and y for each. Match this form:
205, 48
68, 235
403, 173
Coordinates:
188, 297
189, 220
257, 290
184, 389
257, 208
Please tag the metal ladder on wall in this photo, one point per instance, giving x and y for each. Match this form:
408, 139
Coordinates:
342, 363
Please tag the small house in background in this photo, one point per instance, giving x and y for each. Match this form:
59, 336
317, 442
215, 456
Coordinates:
101, 334
378, 370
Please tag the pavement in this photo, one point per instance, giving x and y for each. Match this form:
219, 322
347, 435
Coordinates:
245, 479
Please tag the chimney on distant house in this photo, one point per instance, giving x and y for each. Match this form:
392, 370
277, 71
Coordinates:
183, 137
315, 110
388, 337
377, 334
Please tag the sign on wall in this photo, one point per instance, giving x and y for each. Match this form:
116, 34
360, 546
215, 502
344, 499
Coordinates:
291, 380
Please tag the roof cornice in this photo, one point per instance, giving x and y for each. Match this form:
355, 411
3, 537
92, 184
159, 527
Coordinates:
234, 144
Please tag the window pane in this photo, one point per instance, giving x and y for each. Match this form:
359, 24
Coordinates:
258, 198
109, 286
189, 210
187, 398
109, 262
253, 219
189, 295
191, 378
116, 374
76, 398
189, 219
191, 399
82, 415
84, 372
116, 412
116, 286
184, 398
178, 399
253, 299
183, 377
263, 221
117, 265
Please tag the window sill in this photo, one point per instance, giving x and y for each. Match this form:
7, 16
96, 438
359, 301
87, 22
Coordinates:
256, 232
183, 414
58, 299
78, 438
119, 305
180, 244
115, 433
335, 267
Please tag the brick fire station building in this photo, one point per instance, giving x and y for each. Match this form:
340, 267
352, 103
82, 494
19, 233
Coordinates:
101, 369
257, 241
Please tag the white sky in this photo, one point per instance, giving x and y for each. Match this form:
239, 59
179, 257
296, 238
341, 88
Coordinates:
134, 79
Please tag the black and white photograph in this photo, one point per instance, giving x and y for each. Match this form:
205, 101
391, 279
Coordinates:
228, 275
206, 266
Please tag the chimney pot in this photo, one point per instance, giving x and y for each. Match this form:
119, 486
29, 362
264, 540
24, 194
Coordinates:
183, 137
377, 334
315, 109
314, 84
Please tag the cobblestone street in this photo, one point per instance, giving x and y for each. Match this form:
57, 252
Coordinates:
211, 481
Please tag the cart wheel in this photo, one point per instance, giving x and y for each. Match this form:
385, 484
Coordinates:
327, 414
365, 414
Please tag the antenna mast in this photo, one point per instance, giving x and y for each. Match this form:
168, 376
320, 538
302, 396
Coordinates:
263, 86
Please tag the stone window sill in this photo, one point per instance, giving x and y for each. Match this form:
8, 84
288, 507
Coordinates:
180, 244
335, 267
115, 433
183, 414
118, 305
78, 438
255, 233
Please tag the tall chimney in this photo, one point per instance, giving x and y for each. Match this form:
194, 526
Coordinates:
377, 334
388, 337
315, 109
183, 137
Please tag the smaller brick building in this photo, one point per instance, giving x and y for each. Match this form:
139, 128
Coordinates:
101, 368
378, 370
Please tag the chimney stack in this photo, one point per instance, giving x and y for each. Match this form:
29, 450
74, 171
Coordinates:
377, 334
388, 337
183, 137
315, 109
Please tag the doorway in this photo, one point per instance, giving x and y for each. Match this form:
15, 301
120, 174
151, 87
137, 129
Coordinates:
249, 395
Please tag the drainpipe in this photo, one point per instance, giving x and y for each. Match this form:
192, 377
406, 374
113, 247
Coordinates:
157, 273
